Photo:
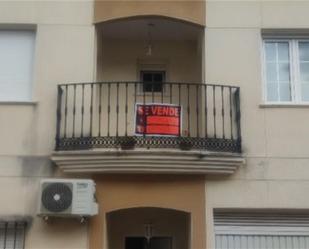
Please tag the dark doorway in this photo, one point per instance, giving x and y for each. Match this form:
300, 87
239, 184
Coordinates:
130, 228
153, 243
135, 243
161, 243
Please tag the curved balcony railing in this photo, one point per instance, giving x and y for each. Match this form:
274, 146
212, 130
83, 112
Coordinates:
103, 115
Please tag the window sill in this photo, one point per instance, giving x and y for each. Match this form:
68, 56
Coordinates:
31, 103
284, 105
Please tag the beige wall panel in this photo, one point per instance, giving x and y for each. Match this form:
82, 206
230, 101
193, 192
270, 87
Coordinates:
257, 193
226, 14
25, 166
121, 60
255, 168
14, 203
288, 194
266, 14
47, 12
285, 14
184, 193
268, 169
57, 233
287, 168
192, 11
64, 54
287, 132
237, 193
32, 196
11, 166
233, 57
17, 131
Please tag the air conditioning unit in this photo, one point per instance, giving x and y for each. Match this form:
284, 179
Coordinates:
67, 197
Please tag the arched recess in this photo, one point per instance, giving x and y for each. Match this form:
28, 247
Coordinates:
177, 48
150, 226
135, 49
185, 194
186, 10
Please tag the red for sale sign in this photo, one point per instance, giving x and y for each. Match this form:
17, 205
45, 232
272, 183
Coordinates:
158, 119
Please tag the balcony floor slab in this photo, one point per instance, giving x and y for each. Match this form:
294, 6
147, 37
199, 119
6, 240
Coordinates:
144, 161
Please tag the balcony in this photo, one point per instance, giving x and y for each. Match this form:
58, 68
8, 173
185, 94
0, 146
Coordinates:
103, 115
108, 128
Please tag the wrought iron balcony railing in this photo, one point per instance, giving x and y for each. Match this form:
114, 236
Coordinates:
103, 115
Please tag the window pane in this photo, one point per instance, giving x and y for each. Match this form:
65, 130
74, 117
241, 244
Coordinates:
284, 72
157, 87
305, 92
283, 51
152, 81
147, 87
304, 71
272, 92
304, 51
158, 77
285, 91
278, 71
147, 77
16, 63
271, 71
270, 51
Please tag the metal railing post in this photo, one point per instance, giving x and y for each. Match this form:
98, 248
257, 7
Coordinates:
238, 118
58, 116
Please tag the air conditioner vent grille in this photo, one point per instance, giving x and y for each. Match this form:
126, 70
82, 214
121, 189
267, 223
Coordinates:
57, 197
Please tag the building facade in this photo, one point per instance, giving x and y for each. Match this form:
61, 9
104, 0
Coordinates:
189, 116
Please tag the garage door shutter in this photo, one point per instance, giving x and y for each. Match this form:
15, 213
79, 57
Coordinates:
261, 230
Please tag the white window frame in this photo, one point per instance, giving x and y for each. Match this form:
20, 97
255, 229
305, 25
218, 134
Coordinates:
152, 65
294, 71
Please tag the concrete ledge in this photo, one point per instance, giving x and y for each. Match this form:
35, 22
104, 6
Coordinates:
147, 161
23, 103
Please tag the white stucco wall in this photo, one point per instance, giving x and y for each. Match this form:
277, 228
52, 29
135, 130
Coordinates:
65, 41
276, 174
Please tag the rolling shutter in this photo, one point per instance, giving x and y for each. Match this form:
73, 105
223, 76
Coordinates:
261, 230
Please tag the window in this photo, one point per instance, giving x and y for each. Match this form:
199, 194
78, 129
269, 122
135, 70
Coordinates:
286, 70
16, 64
12, 234
152, 80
